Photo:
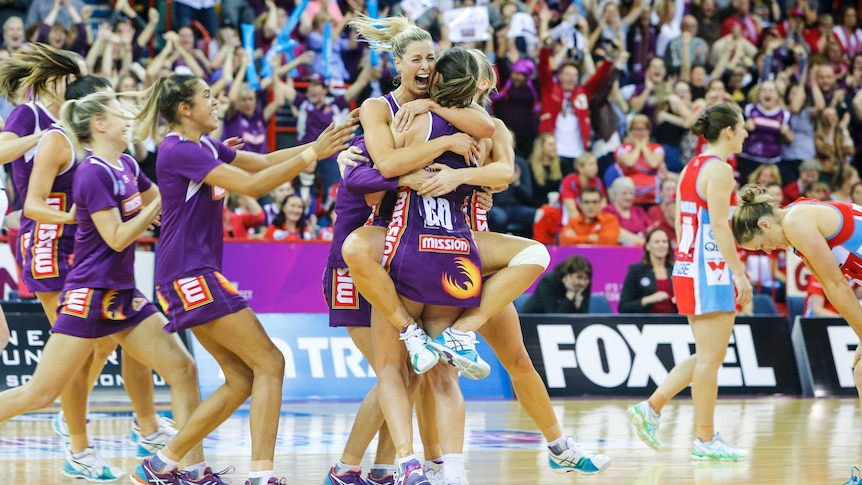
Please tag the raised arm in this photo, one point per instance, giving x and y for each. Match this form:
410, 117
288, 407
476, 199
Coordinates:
392, 162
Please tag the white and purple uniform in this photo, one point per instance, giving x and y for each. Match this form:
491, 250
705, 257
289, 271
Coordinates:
763, 144
99, 296
190, 286
251, 130
429, 249
26, 119
311, 120
47, 250
347, 307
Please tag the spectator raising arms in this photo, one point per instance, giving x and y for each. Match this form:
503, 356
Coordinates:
566, 289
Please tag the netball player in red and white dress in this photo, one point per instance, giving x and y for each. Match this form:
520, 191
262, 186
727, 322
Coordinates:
706, 275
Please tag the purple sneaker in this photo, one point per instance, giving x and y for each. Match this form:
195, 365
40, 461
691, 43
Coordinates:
351, 477
410, 473
208, 478
384, 480
145, 475
271, 481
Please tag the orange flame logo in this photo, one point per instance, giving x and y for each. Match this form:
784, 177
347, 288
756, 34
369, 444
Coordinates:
163, 302
470, 288
107, 302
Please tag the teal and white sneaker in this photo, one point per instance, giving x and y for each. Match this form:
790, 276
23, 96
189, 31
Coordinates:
421, 355
855, 478
645, 422
91, 466
459, 349
61, 429
716, 449
576, 459
149, 446
165, 424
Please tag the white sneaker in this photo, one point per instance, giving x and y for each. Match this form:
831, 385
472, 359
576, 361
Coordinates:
61, 429
92, 467
716, 449
422, 357
434, 473
645, 422
458, 348
576, 459
148, 447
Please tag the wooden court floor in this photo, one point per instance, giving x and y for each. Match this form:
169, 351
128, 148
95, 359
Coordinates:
791, 441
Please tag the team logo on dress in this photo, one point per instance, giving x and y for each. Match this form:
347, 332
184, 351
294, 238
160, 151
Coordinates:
443, 244
138, 302
77, 302
480, 217
110, 310
45, 244
468, 284
345, 296
225, 284
397, 226
132, 204
193, 292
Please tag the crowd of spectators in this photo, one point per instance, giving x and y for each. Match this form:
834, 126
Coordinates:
599, 95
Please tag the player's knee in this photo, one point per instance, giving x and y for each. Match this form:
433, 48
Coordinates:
39, 396
273, 363
183, 373
518, 364
535, 254
355, 250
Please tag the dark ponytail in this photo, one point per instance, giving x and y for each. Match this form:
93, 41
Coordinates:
714, 119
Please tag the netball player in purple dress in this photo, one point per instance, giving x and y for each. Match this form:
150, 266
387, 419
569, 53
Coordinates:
41, 74
115, 204
194, 172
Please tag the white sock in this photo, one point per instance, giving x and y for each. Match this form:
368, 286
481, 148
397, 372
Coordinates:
404, 460
453, 466
197, 471
164, 463
342, 468
559, 443
257, 478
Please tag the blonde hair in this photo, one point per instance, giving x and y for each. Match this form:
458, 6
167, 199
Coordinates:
536, 165
755, 202
582, 160
76, 116
486, 70
636, 119
391, 34
30, 71
765, 167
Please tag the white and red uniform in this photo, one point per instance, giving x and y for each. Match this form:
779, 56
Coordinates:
702, 281
846, 243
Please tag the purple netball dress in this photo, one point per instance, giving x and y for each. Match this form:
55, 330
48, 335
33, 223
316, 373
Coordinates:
347, 308
99, 297
25, 120
429, 249
47, 249
190, 286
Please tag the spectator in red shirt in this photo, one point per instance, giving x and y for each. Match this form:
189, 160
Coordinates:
591, 226
640, 160
663, 214
632, 217
290, 223
742, 21
242, 214
586, 175
809, 172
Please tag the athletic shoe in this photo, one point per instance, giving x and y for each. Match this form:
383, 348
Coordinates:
165, 424
145, 475
717, 449
434, 472
384, 480
575, 459
855, 478
352, 477
208, 478
61, 429
271, 481
421, 356
149, 446
459, 349
410, 473
645, 422
91, 466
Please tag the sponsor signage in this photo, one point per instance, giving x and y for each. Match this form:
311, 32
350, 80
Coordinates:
321, 362
588, 355
29, 332
824, 349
